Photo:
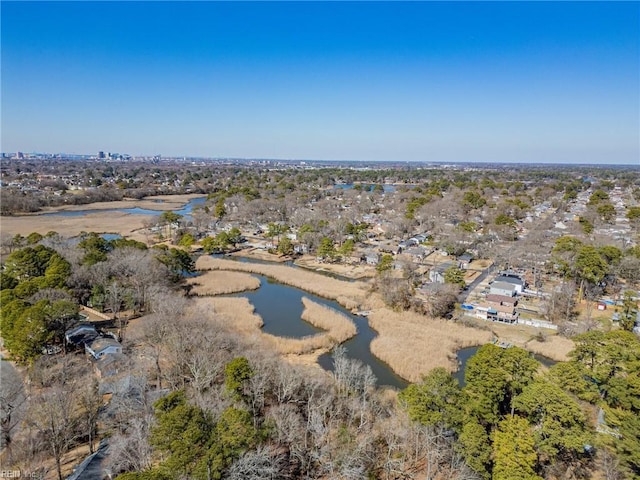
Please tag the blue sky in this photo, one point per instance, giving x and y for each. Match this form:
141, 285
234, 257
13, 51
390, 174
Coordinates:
452, 81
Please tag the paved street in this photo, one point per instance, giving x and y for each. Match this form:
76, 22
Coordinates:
12, 399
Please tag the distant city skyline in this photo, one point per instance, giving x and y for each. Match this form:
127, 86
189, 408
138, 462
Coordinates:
521, 82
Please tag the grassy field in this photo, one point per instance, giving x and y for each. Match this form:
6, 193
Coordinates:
220, 282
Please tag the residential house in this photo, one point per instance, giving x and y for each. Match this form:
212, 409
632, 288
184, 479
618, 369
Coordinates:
496, 313
502, 299
417, 254
436, 274
102, 346
421, 237
502, 308
515, 280
302, 248
503, 313
81, 335
110, 364
372, 258
465, 260
502, 288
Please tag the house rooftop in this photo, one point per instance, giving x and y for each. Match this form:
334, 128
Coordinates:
510, 279
503, 286
494, 297
443, 267
81, 334
103, 343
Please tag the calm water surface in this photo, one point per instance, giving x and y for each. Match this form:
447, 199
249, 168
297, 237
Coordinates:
184, 211
280, 306
464, 354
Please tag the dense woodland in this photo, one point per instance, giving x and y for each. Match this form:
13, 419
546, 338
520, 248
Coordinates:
203, 403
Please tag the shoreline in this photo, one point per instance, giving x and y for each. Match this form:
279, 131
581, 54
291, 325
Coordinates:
160, 203
100, 218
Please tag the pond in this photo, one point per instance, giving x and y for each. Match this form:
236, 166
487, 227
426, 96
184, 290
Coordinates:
464, 354
280, 307
111, 236
185, 211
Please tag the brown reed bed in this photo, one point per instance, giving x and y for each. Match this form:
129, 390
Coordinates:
236, 313
413, 344
554, 347
221, 282
338, 326
348, 294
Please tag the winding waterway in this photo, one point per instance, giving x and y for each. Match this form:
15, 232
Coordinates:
280, 307
185, 211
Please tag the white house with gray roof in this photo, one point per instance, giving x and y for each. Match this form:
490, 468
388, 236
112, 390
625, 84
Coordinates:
102, 346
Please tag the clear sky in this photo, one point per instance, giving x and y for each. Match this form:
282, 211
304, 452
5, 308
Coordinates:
506, 81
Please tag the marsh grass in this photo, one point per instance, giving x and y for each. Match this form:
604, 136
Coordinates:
554, 347
413, 344
338, 328
219, 282
236, 313
349, 294
410, 343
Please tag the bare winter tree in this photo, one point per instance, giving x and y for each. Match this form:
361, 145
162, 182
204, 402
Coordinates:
264, 463
52, 413
114, 296
609, 465
139, 271
89, 403
440, 299
129, 450
352, 375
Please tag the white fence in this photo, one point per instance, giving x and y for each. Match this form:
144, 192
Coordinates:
538, 324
